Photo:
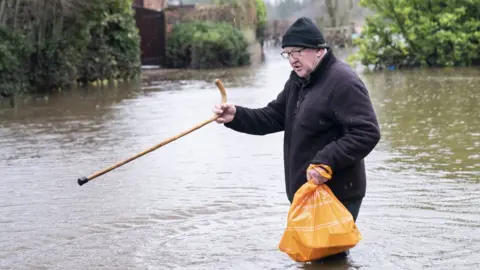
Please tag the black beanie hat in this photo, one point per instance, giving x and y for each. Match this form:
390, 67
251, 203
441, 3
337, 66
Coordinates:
303, 33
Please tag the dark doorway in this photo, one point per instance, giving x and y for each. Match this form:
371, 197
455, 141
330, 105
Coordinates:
151, 26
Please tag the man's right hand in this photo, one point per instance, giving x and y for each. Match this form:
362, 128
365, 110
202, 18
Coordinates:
225, 111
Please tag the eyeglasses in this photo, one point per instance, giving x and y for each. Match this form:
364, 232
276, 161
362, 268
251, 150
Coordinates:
294, 53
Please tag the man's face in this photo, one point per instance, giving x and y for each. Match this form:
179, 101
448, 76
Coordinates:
302, 60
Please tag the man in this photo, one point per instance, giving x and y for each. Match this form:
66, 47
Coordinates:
326, 114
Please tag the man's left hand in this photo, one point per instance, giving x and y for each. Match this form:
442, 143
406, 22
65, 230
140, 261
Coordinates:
315, 176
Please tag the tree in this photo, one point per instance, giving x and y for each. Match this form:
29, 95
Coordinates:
339, 11
285, 8
261, 10
406, 33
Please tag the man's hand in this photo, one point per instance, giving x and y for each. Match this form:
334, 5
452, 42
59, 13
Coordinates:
226, 112
318, 175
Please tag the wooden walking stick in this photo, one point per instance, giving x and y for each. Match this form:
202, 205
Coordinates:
223, 92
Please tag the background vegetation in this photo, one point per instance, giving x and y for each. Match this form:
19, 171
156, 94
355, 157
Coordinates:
217, 37
52, 44
261, 20
206, 44
409, 33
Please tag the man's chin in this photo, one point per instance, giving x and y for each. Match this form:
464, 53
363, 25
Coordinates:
300, 73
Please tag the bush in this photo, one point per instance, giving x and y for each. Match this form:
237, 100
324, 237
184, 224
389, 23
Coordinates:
206, 45
13, 68
54, 45
114, 48
57, 55
418, 33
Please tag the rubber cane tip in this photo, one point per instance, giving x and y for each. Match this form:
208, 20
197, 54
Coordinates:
82, 181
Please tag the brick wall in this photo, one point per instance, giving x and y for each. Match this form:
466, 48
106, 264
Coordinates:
155, 4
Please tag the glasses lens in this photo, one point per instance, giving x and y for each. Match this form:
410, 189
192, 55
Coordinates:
294, 54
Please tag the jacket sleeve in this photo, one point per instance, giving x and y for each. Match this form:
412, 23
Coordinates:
353, 110
261, 121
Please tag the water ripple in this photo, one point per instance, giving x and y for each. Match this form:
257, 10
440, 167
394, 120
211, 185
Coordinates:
215, 199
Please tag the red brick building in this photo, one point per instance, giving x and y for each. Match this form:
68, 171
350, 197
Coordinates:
151, 4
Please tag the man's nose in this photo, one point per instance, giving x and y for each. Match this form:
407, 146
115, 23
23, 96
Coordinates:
292, 60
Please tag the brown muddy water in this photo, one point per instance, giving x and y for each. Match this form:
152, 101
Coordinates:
215, 199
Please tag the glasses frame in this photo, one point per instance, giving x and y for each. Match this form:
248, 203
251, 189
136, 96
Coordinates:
294, 53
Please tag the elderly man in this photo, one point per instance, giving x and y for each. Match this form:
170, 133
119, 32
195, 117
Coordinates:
326, 114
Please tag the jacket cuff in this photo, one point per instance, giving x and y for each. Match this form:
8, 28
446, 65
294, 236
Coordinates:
237, 119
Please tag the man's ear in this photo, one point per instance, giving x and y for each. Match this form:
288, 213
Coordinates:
321, 52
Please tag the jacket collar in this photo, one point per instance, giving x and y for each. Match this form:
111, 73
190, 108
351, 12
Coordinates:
319, 70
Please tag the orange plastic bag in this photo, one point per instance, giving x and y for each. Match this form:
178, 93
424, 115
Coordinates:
318, 225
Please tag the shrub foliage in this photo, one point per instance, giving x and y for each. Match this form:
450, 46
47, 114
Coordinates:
206, 44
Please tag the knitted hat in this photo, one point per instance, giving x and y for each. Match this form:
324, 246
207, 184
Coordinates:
303, 33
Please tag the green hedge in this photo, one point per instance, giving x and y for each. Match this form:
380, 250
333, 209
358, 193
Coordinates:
114, 48
410, 33
13, 62
58, 48
203, 45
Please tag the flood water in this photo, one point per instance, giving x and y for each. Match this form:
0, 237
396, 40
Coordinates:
215, 199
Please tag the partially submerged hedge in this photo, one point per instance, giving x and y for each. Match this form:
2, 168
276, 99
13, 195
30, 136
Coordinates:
205, 44
51, 46
13, 67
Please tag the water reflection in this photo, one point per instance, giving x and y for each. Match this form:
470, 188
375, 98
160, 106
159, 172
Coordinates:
215, 199
431, 117
333, 264
234, 77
